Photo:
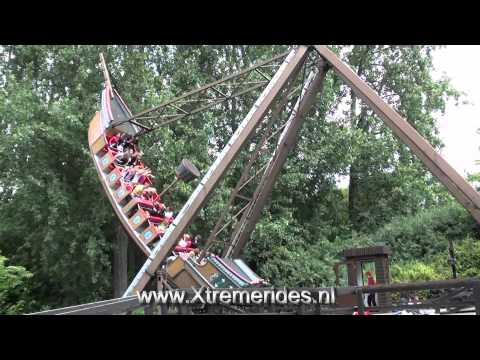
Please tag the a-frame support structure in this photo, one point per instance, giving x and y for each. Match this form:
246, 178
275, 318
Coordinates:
286, 143
290, 68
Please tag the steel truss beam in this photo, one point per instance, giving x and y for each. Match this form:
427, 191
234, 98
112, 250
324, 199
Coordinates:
434, 162
260, 148
245, 177
289, 69
286, 143
208, 96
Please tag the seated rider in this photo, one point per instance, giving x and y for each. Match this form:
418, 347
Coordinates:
137, 175
128, 157
169, 215
159, 209
120, 142
197, 240
143, 175
113, 142
129, 175
185, 245
138, 190
122, 158
128, 141
133, 157
150, 193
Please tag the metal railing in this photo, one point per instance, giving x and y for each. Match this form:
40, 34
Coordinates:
446, 301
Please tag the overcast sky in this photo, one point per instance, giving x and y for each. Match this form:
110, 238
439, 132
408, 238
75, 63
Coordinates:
459, 124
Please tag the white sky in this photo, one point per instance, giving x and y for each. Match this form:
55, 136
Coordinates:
459, 124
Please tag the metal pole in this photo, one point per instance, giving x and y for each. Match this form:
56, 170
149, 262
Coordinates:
287, 70
106, 75
168, 187
452, 259
476, 297
360, 303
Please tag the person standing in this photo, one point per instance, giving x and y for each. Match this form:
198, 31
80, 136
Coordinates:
371, 296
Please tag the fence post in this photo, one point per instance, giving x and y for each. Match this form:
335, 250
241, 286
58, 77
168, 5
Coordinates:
476, 297
163, 309
360, 303
318, 309
148, 310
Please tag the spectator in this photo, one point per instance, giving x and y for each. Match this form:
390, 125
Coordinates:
371, 296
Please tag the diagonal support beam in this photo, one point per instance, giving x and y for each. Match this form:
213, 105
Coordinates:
437, 165
290, 68
258, 151
286, 143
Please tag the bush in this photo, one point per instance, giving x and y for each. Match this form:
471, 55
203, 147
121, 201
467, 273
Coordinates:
14, 288
426, 234
467, 254
415, 271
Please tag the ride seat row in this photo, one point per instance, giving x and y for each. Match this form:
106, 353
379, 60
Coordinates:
139, 211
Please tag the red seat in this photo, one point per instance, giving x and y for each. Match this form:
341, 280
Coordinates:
156, 219
127, 185
148, 181
154, 197
145, 203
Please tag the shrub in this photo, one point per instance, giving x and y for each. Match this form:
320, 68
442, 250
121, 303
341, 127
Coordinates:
426, 234
14, 288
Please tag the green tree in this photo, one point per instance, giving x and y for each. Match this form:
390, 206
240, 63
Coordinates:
383, 171
14, 288
56, 222
55, 219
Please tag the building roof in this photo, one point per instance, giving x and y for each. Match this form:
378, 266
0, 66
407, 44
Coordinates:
380, 250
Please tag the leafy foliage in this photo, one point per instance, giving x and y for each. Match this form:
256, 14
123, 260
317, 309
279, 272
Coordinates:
56, 222
415, 270
14, 288
425, 234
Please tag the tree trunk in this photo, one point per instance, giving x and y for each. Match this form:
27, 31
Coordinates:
119, 264
355, 167
352, 194
135, 259
354, 171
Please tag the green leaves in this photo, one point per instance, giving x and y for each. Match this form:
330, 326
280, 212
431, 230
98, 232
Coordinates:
14, 289
56, 221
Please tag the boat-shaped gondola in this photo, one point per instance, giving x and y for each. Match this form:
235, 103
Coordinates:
135, 213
